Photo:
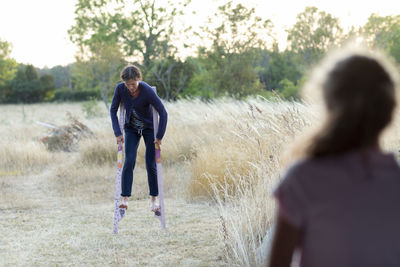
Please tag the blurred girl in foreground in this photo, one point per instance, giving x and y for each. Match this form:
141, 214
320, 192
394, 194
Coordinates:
339, 205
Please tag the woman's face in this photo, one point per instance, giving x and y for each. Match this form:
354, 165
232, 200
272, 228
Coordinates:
132, 84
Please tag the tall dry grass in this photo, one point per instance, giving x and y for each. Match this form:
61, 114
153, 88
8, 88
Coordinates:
242, 136
87, 172
240, 165
226, 151
19, 159
230, 153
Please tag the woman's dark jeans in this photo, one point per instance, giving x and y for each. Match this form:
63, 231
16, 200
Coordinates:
132, 139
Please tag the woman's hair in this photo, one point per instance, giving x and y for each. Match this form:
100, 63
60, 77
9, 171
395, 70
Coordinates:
131, 72
359, 95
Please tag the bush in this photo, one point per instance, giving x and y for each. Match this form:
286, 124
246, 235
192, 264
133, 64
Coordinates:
66, 138
91, 109
66, 94
289, 89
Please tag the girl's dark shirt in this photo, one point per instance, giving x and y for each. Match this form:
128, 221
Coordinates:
135, 122
142, 106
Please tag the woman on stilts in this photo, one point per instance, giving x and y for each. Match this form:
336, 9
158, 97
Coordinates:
137, 98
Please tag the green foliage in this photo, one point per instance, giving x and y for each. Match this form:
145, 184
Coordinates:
237, 77
274, 66
238, 63
238, 56
61, 74
107, 62
48, 87
67, 94
47, 82
142, 28
171, 77
91, 109
239, 30
28, 87
82, 76
99, 73
7, 65
230, 60
199, 85
313, 34
49, 96
109, 31
384, 32
288, 89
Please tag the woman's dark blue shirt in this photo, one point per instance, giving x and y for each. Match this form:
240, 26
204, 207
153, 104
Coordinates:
142, 105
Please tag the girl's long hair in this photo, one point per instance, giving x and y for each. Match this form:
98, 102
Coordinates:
359, 96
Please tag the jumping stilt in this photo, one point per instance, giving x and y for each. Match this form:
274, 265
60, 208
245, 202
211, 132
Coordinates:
118, 212
160, 214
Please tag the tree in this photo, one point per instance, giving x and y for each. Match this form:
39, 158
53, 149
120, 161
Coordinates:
273, 66
28, 87
199, 85
100, 72
144, 34
48, 86
61, 74
288, 89
171, 76
384, 32
313, 34
7, 65
239, 29
230, 60
107, 62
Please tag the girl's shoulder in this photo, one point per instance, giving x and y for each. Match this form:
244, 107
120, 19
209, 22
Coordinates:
309, 169
145, 87
299, 166
334, 167
147, 90
120, 86
318, 165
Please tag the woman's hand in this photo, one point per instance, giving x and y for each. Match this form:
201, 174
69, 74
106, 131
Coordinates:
158, 142
120, 139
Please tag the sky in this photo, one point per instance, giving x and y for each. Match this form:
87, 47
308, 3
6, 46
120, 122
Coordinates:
38, 29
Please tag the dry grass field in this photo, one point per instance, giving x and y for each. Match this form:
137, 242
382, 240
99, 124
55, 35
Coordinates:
221, 160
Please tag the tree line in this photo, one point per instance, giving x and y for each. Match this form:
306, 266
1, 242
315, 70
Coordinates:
236, 54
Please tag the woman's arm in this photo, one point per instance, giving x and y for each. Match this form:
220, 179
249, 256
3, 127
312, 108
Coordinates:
155, 101
285, 240
113, 112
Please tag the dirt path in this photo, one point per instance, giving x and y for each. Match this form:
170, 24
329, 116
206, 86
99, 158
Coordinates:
52, 231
